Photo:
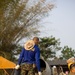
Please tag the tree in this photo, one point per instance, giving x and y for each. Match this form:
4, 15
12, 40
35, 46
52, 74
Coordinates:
18, 20
67, 53
49, 46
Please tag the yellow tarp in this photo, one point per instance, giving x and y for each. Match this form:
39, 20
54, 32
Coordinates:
6, 64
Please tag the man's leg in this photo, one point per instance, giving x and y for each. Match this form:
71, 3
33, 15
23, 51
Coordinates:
24, 72
31, 72
23, 69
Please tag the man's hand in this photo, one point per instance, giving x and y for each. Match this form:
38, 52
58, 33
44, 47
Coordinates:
17, 67
39, 73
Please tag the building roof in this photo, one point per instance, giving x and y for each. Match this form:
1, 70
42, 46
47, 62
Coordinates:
57, 62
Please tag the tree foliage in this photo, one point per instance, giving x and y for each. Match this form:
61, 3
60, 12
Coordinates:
19, 19
49, 46
67, 53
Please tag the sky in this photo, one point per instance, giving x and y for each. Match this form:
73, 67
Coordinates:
61, 23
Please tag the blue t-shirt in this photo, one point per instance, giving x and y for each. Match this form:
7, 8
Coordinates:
30, 57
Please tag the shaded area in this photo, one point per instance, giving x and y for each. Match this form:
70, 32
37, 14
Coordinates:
42, 64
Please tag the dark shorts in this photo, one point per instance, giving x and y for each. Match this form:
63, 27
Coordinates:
27, 69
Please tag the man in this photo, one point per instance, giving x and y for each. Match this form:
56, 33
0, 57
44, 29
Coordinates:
29, 57
71, 65
54, 69
61, 71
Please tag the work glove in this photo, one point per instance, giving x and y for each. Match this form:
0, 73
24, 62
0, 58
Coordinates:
39, 73
17, 67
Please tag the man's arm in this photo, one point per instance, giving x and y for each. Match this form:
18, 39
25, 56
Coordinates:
21, 56
37, 57
20, 59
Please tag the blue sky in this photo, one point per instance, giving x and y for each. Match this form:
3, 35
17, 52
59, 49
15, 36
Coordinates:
61, 23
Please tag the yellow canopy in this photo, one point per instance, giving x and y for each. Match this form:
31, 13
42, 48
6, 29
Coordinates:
6, 64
